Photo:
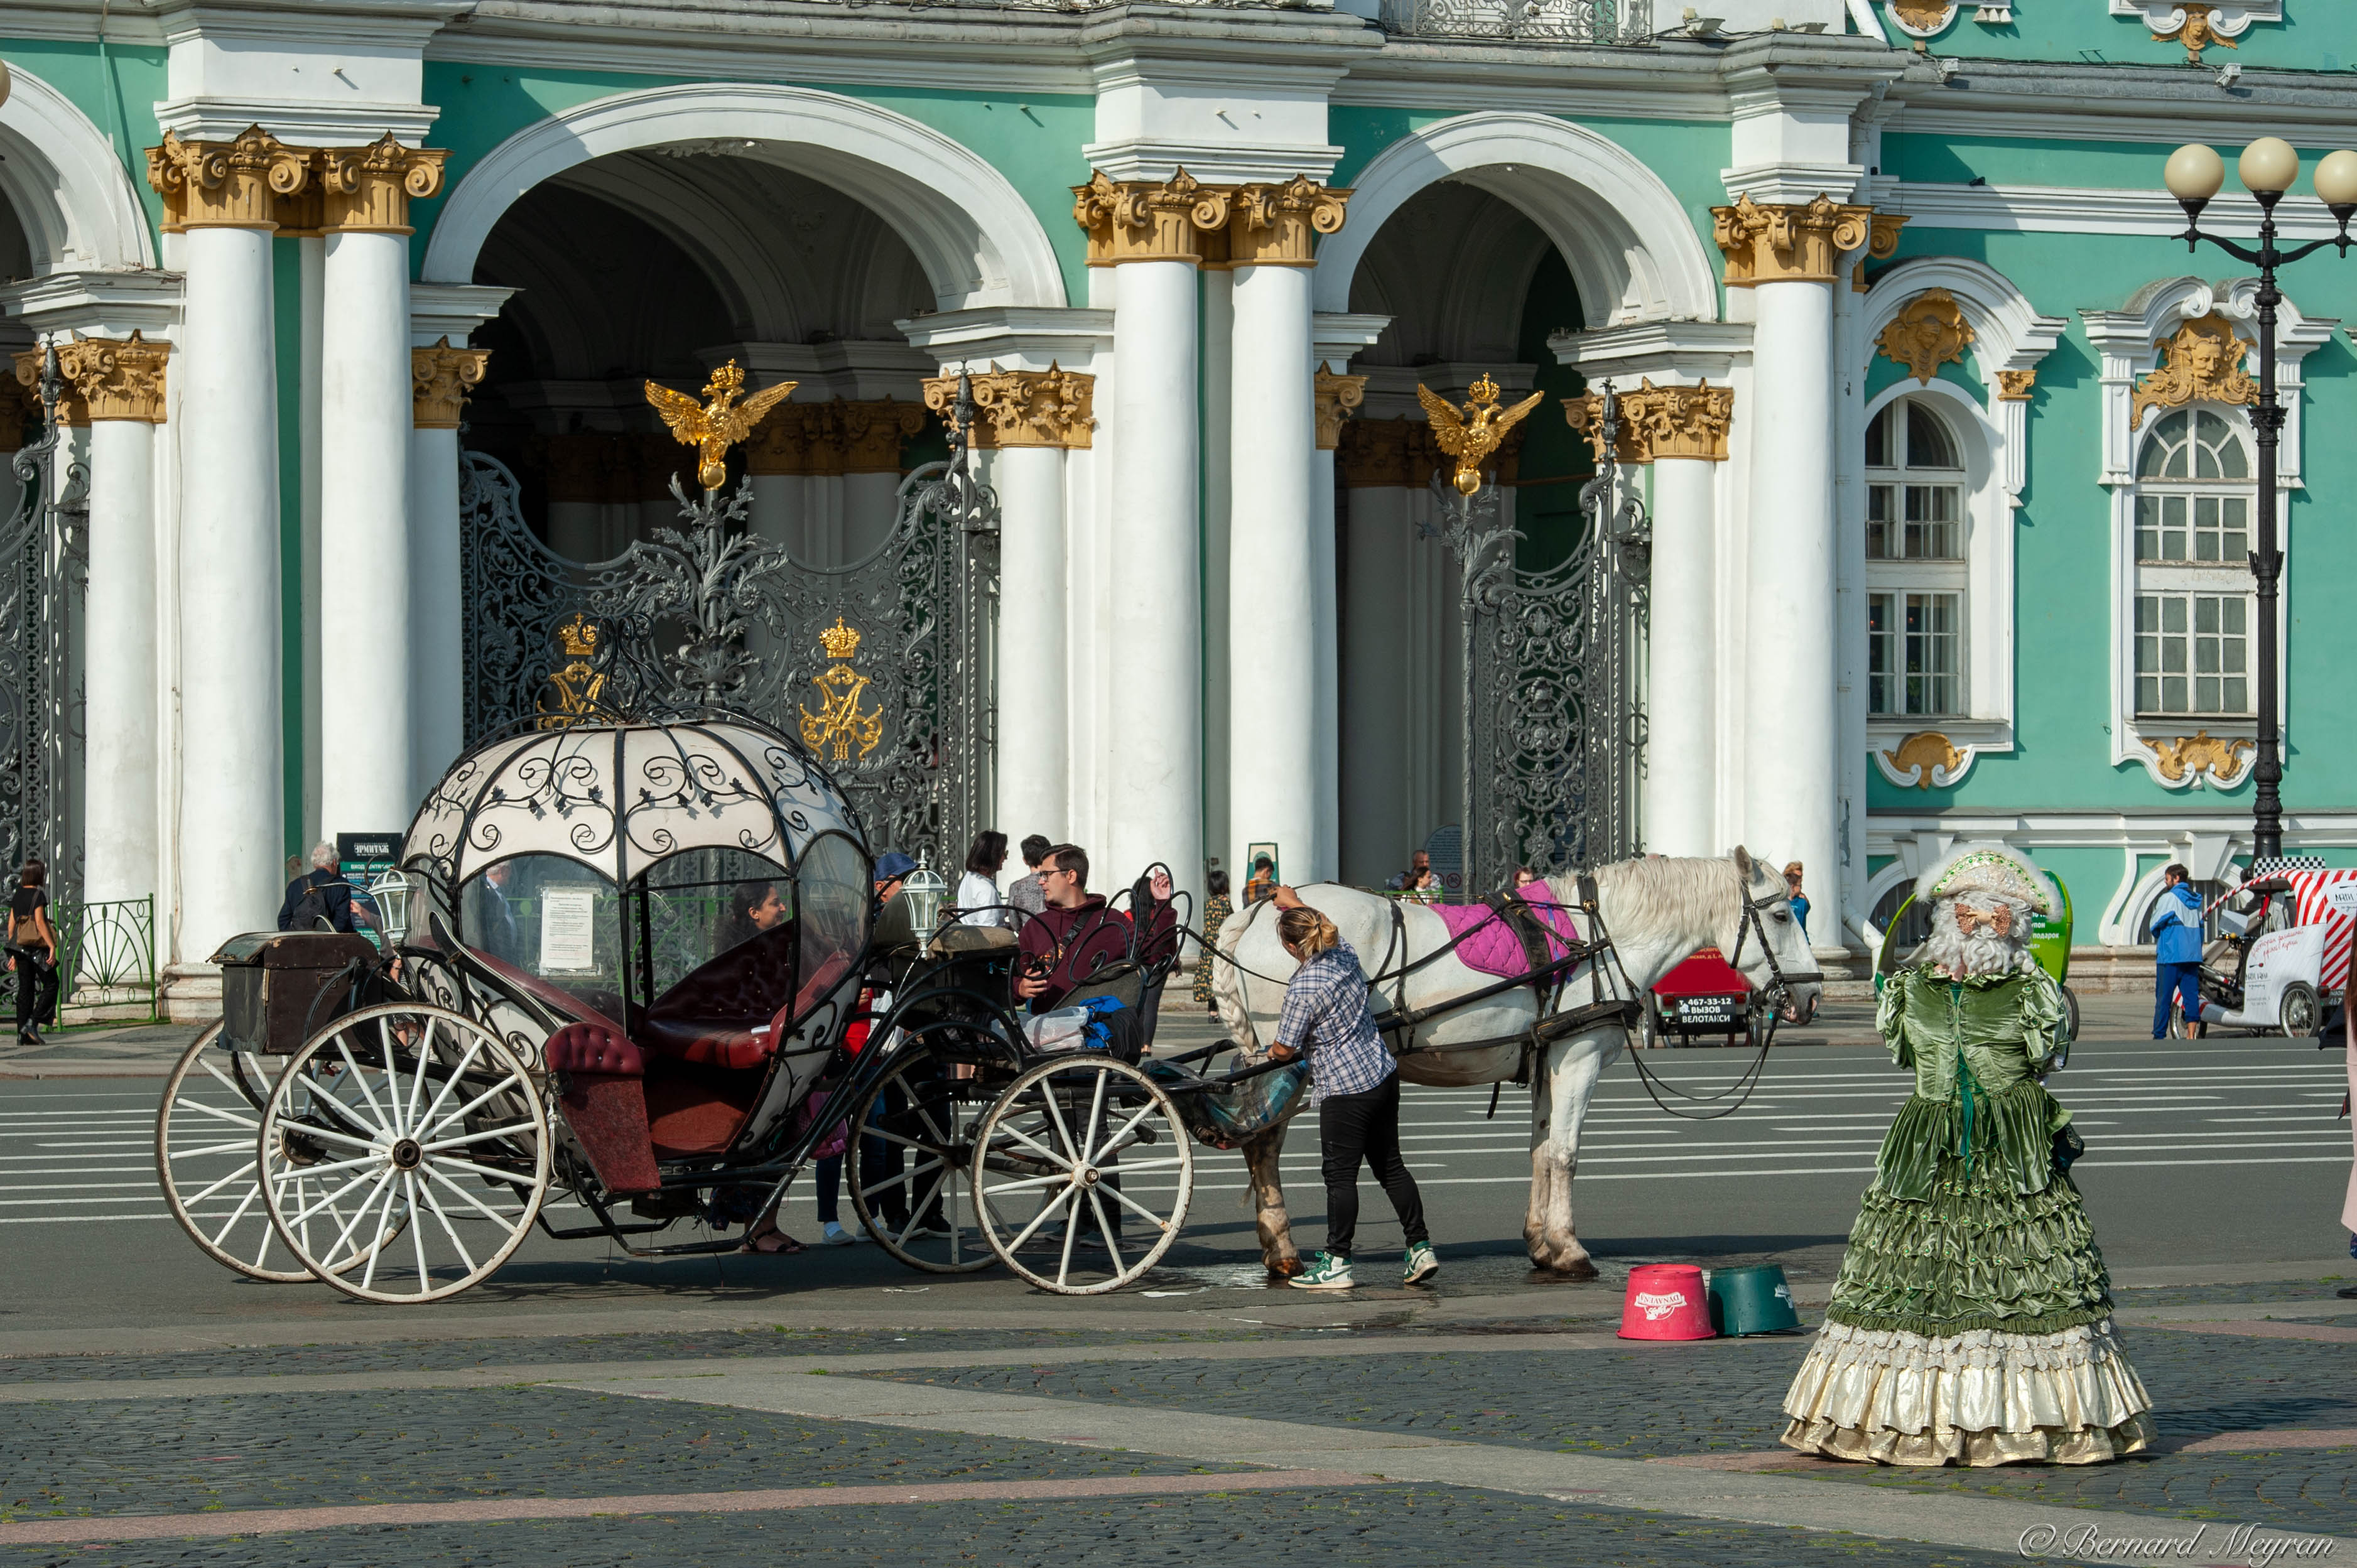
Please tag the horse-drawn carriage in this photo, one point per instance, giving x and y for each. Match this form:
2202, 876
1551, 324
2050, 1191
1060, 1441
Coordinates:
640, 956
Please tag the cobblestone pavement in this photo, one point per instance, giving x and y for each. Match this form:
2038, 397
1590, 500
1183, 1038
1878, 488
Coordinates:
141, 1456
1377, 1525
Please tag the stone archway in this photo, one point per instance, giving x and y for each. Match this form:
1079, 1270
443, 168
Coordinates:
68, 188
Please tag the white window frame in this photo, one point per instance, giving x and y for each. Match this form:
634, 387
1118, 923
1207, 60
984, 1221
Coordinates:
2129, 341
1935, 575
1993, 430
2228, 577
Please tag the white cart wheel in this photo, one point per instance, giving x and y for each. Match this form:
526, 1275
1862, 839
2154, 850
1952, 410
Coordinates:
404, 1115
204, 1159
1082, 1175
909, 1165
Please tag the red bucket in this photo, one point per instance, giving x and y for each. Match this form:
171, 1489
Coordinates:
1667, 1301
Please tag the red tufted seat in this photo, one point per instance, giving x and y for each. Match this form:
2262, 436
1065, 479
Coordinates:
708, 1017
606, 1104
594, 1047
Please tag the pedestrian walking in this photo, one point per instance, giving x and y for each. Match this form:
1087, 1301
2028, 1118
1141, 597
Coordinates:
319, 900
1971, 1320
978, 902
2177, 950
1795, 897
33, 952
2346, 1027
1026, 894
1355, 1089
1216, 910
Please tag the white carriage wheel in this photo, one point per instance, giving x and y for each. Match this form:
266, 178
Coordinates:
1076, 1149
927, 1117
204, 1159
404, 1115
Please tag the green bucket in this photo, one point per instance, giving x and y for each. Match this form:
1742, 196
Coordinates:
1751, 1301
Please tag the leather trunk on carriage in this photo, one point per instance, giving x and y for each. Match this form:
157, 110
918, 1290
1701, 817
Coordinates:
278, 988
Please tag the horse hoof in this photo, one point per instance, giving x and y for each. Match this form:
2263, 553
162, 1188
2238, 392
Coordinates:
1285, 1268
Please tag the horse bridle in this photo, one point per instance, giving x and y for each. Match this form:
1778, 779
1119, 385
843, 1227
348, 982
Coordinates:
1779, 989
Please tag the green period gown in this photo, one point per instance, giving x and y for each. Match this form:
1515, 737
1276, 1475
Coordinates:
1972, 1322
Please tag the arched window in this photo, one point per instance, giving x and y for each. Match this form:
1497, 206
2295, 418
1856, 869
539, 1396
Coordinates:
1915, 563
2193, 599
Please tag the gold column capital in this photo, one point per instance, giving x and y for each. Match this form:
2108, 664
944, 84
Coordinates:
1659, 422
2016, 386
1881, 244
1336, 397
796, 438
1272, 225
106, 378
1372, 454
874, 433
439, 380
1054, 407
226, 184
1139, 220
366, 190
1787, 243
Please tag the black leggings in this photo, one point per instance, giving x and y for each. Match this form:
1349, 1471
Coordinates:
1365, 1126
36, 988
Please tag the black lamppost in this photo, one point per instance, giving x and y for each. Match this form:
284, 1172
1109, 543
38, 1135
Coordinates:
2267, 168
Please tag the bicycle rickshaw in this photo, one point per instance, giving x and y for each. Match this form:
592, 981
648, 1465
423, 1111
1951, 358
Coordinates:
573, 1036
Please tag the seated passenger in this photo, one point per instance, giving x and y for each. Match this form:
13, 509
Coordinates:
753, 908
1076, 934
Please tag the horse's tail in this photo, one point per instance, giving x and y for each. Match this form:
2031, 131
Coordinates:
1228, 981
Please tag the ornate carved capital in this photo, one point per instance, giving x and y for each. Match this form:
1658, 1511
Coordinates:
2202, 362
2187, 758
1052, 407
1787, 243
1141, 222
825, 440
226, 184
366, 190
1929, 332
874, 433
440, 378
1881, 244
1373, 454
2016, 386
106, 378
1659, 422
1337, 397
1271, 225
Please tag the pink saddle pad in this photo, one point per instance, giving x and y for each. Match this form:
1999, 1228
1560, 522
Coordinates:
1491, 946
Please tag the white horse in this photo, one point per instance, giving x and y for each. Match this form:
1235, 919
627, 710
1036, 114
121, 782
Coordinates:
1656, 912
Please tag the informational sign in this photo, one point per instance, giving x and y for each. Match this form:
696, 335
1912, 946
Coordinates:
2342, 897
363, 860
567, 931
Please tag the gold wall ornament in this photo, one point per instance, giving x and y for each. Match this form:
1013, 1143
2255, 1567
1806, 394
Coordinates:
1673, 422
226, 184
1139, 220
2016, 386
2190, 756
368, 189
1926, 759
1053, 407
1787, 243
1929, 332
1271, 225
719, 421
439, 380
1376, 454
2197, 32
873, 434
105, 377
2201, 363
838, 722
574, 685
1881, 244
1924, 16
1335, 398
1471, 436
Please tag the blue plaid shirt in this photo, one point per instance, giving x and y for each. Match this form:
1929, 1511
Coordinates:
1326, 1019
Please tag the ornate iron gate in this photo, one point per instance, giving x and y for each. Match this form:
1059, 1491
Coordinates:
881, 666
1552, 739
44, 568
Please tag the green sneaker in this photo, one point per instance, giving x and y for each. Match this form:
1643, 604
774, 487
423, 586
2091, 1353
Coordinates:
1422, 1264
1326, 1271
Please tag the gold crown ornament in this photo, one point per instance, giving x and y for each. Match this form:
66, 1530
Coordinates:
841, 641
578, 637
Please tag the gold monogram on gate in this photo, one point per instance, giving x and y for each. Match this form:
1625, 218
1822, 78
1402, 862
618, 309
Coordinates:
838, 721
573, 686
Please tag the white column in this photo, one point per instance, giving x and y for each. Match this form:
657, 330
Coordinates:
1153, 752
436, 612
1378, 753
777, 510
1326, 696
233, 802
1219, 691
367, 745
119, 845
1273, 614
1682, 763
312, 261
1789, 701
867, 512
1034, 743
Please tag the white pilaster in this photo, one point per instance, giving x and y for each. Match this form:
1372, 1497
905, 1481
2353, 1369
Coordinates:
233, 800
868, 512
1218, 467
366, 678
1034, 741
120, 848
1272, 597
311, 262
1682, 762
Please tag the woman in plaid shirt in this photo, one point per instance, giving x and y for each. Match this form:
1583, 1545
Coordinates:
1355, 1087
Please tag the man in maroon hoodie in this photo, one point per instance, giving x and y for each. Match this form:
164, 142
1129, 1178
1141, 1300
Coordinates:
1076, 934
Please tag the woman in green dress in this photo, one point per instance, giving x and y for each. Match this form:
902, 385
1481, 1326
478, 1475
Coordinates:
1215, 915
1972, 1324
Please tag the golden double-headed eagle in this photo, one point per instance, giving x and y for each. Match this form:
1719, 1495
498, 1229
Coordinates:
719, 421
1470, 436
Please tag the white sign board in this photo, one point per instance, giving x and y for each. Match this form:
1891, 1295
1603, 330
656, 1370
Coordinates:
567, 927
2342, 897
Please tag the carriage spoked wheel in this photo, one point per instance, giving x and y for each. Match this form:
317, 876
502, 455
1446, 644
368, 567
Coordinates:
425, 1137
909, 1165
1082, 1174
205, 1132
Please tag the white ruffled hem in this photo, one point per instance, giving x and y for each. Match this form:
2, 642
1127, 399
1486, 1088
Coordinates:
1980, 1398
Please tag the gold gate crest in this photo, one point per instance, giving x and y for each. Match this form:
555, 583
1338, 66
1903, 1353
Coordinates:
838, 721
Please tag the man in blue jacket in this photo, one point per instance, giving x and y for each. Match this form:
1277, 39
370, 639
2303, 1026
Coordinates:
2177, 949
